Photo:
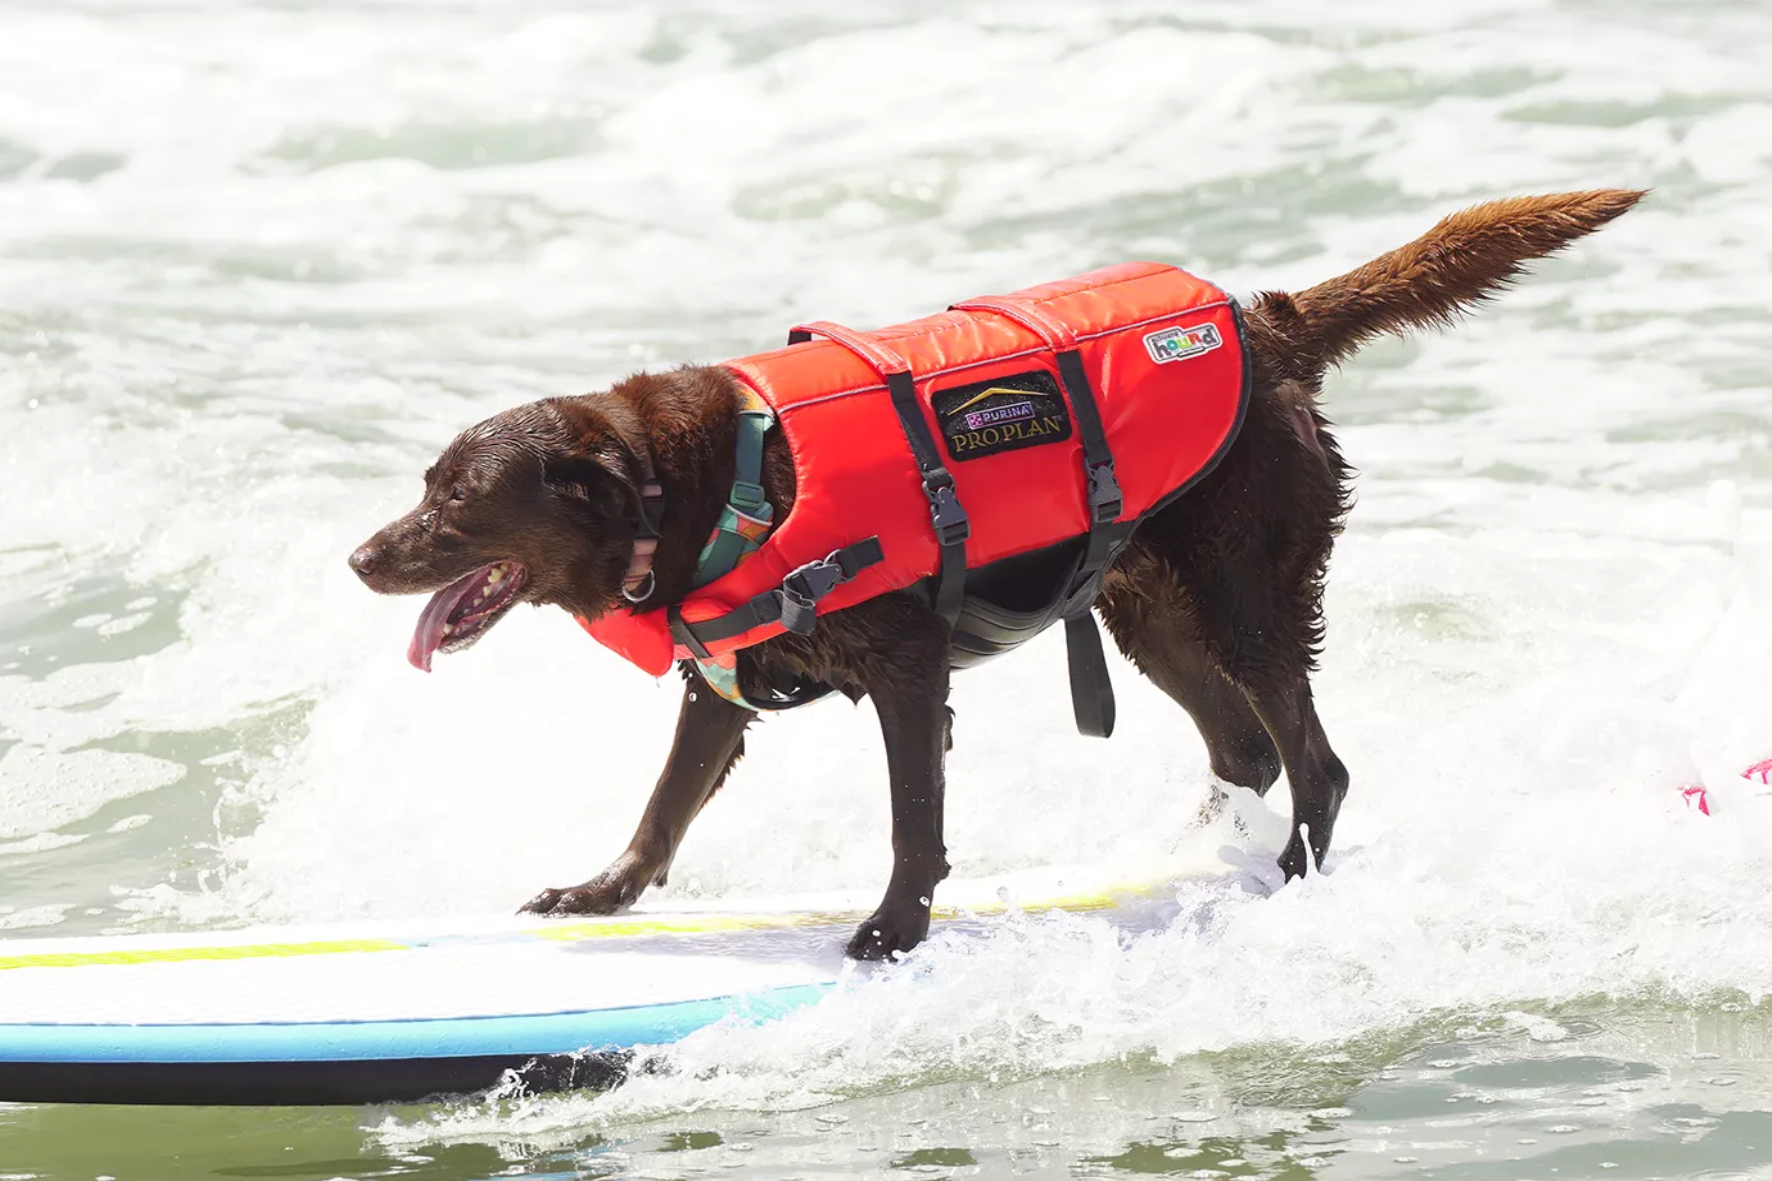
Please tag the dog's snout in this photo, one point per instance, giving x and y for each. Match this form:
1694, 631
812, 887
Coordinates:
363, 560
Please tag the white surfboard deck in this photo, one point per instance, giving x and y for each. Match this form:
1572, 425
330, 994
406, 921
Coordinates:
388, 1010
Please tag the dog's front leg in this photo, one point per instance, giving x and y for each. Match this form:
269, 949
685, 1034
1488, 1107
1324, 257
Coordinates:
910, 695
710, 739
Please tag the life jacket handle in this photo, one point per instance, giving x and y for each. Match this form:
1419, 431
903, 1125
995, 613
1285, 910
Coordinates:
1055, 332
881, 358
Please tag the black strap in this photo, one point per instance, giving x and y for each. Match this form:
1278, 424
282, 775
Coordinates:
1105, 501
952, 527
683, 634
794, 604
651, 498
1092, 691
652, 503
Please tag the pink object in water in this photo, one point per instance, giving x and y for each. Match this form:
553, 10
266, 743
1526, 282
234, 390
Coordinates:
1697, 797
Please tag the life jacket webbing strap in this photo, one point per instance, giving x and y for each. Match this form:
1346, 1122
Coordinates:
793, 604
1105, 500
1092, 693
947, 515
747, 515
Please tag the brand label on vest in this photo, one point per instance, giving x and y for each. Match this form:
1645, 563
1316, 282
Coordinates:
1002, 414
1178, 344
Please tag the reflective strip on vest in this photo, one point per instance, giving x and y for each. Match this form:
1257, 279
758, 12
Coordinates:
1162, 350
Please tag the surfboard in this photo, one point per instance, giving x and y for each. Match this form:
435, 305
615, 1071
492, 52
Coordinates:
387, 1012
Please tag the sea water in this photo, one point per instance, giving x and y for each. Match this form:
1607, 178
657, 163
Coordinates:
259, 262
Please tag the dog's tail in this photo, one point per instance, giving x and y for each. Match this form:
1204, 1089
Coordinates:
1459, 263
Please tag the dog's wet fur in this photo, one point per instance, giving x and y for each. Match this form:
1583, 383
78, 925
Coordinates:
1217, 598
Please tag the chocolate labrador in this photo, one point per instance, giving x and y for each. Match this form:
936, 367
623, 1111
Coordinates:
1217, 597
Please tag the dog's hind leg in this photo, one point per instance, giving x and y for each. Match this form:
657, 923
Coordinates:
710, 739
1317, 777
1259, 625
1241, 559
1259, 618
1153, 621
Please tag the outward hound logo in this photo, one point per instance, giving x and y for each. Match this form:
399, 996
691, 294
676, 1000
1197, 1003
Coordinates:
1002, 414
1178, 344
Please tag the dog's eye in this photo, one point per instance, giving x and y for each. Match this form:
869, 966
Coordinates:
458, 493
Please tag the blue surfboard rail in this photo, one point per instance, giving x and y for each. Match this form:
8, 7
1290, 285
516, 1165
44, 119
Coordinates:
429, 1038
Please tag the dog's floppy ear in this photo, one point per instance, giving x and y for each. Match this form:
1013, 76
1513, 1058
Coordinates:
598, 479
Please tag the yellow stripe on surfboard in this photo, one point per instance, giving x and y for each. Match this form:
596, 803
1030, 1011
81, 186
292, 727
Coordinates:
614, 927
175, 955
630, 926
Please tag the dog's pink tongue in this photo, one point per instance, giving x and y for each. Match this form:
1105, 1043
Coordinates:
428, 636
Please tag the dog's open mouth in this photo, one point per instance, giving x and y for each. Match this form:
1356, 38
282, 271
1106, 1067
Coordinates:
461, 612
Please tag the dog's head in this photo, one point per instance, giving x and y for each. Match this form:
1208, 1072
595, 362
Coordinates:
539, 504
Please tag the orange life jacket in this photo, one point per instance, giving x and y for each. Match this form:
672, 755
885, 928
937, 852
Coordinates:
1063, 411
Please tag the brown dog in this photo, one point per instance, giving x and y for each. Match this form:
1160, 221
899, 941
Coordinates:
1217, 598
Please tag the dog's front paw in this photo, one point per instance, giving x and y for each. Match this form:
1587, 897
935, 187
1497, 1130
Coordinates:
895, 927
616, 888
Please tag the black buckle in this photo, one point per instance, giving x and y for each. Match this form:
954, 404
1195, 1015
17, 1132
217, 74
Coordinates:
814, 580
951, 524
802, 589
1105, 501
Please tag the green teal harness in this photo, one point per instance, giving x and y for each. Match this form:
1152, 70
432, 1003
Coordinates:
744, 522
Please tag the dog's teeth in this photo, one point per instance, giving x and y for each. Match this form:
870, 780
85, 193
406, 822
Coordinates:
497, 575
447, 628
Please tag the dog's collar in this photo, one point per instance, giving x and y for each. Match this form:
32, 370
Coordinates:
744, 521
639, 582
